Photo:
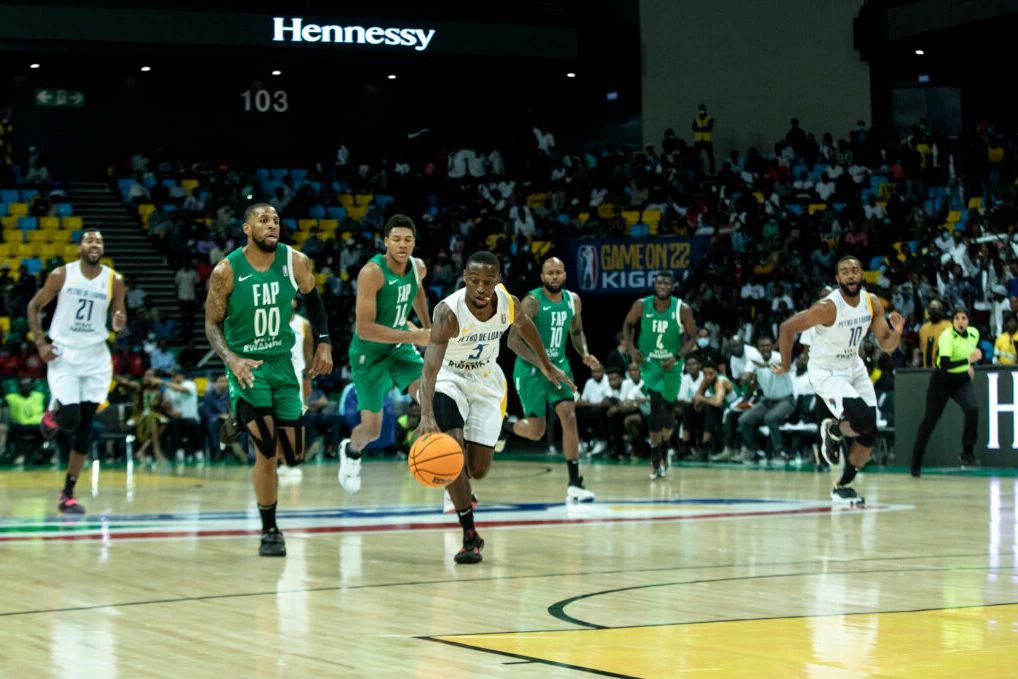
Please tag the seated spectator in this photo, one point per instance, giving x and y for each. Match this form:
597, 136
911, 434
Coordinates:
705, 412
322, 420
635, 405
616, 415
162, 359
704, 352
215, 410
26, 407
148, 414
164, 328
772, 408
181, 399
1004, 352
872, 210
591, 412
189, 357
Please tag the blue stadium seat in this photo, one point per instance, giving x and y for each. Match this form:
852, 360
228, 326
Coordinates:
875, 263
337, 213
278, 174
33, 265
271, 186
65, 210
339, 187
169, 207
28, 194
149, 182
262, 173
289, 223
298, 175
4, 210
170, 183
28, 223
316, 186
382, 201
125, 184
9, 196
799, 169
797, 209
318, 212
876, 180
76, 236
839, 206
818, 171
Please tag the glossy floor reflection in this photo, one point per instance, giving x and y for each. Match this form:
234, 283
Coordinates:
722, 573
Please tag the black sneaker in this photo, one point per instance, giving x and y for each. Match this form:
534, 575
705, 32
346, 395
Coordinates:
472, 546
830, 441
847, 497
272, 544
229, 431
969, 460
69, 505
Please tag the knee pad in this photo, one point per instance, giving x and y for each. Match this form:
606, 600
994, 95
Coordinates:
294, 455
82, 436
69, 418
862, 417
657, 411
265, 441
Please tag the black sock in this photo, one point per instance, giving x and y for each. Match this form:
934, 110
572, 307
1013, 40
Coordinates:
467, 519
507, 429
847, 475
69, 485
574, 472
659, 452
351, 453
268, 517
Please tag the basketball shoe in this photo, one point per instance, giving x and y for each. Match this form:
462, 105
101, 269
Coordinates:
578, 493
471, 551
272, 544
847, 497
830, 441
70, 505
349, 470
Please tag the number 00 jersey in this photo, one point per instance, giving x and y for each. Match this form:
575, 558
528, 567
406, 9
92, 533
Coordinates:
476, 347
82, 305
836, 347
260, 307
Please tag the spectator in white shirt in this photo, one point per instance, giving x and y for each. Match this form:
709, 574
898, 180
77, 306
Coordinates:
753, 290
458, 163
826, 188
592, 411
545, 139
872, 210
496, 163
781, 296
477, 165
186, 280
523, 220
138, 191
859, 173
597, 196
181, 397
803, 186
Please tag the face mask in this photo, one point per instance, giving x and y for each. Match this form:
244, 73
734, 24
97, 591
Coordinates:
703, 342
936, 316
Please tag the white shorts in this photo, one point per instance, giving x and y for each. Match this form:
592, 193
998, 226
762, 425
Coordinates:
834, 386
80, 375
480, 397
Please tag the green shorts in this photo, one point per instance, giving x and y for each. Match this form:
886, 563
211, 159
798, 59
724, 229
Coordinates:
536, 391
665, 382
375, 374
275, 386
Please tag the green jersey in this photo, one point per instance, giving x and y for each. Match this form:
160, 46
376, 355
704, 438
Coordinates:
553, 322
393, 303
259, 309
660, 333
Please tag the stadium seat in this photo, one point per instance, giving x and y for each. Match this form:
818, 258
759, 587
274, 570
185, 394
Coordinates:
146, 209
839, 206
631, 216
300, 237
36, 236
262, 174
28, 194
270, 186
759, 196
108, 261
46, 223
876, 263
536, 200
652, 217
320, 279
149, 182
5, 323
12, 234
60, 236
24, 250
71, 223
639, 230
653, 228
9, 196
357, 212
189, 184
33, 264
169, 183
4, 210
383, 200
315, 186
48, 251
339, 187
7, 250
338, 213
76, 236
817, 207
953, 216
70, 251
298, 175
201, 384
28, 223
584, 216
18, 209
976, 203
364, 199
13, 263
345, 199
794, 209
279, 174
328, 225
605, 210
318, 212
65, 209
306, 224
871, 276
289, 223
125, 184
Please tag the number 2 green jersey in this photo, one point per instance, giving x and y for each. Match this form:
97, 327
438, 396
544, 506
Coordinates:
393, 303
553, 320
259, 309
660, 333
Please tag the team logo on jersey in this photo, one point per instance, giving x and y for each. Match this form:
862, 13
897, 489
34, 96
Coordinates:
504, 319
586, 263
284, 271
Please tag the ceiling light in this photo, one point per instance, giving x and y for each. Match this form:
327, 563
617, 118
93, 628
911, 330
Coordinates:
277, 73
570, 75
392, 76
146, 69
34, 66
920, 52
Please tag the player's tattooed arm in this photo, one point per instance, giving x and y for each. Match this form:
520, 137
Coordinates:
688, 328
220, 287
531, 307
421, 300
528, 331
48, 292
445, 327
821, 313
119, 308
629, 331
578, 337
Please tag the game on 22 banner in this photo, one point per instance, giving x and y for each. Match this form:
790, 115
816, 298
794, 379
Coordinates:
618, 266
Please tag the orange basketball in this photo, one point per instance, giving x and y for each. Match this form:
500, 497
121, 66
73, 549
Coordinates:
436, 460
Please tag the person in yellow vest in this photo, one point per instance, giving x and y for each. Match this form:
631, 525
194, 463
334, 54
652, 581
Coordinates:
26, 406
703, 135
1004, 352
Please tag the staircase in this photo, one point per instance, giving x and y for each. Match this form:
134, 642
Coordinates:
133, 256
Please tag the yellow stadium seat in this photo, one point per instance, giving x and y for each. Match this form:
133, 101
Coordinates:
300, 237
320, 279
954, 216
48, 223
108, 261
362, 199
5, 323
26, 250
146, 208
759, 196
9, 224
871, 276
36, 236
18, 209
13, 263
816, 207
536, 200
346, 200
47, 251
71, 223
653, 229
70, 252
584, 216
883, 204
306, 224
357, 212
328, 224
7, 250
190, 185
976, 203
201, 383
14, 235
652, 217
605, 210
631, 216
60, 236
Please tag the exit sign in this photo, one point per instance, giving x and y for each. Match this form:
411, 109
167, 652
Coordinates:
51, 97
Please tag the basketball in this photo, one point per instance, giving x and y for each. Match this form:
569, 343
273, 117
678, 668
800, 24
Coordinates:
436, 460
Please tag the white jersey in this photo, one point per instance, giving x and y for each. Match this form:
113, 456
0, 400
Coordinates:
299, 327
82, 305
476, 346
836, 347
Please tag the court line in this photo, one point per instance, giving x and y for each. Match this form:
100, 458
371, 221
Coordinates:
529, 659
557, 610
237, 595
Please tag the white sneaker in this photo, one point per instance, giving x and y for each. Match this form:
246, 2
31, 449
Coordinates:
724, 456
289, 475
180, 455
578, 494
778, 461
199, 457
846, 497
598, 448
447, 506
349, 470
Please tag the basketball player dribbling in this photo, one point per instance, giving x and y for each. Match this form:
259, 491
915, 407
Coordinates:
840, 321
80, 367
463, 390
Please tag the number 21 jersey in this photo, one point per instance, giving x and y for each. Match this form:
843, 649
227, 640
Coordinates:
259, 309
80, 318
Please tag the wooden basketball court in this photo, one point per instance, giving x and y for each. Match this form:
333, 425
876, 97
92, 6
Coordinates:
709, 573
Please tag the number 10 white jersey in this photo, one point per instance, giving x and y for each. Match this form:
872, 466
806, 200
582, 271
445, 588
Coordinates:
836, 347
